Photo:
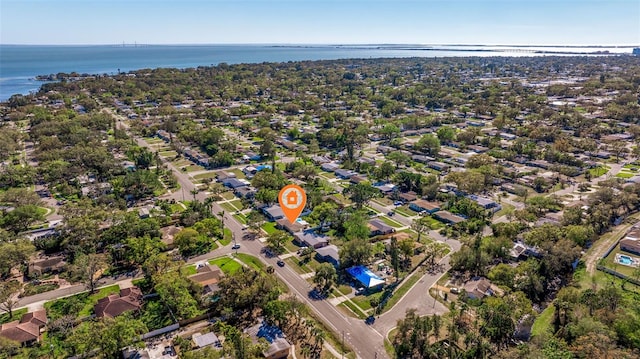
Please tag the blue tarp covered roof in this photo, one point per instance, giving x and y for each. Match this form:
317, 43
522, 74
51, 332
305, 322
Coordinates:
363, 275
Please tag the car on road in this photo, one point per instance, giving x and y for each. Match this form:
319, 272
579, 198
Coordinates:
398, 203
280, 263
391, 213
235, 246
370, 320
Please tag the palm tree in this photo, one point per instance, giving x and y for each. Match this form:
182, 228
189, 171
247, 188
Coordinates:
194, 192
209, 203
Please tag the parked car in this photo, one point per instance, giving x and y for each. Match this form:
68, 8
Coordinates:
454, 290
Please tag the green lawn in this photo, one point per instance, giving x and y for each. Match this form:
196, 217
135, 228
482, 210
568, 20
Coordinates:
610, 263
405, 211
79, 305
383, 201
328, 175
227, 264
353, 308
390, 222
237, 204
599, 171
291, 246
344, 289
269, 227
294, 263
177, 208
434, 223
228, 196
227, 237
168, 153
189, 270
239, 173
205, 175
93, 299
543, 322
193, 168
624, 175
251, 261
506, 208
17, 314
241, 218
401, 291
228, 207
363, 301
42, 211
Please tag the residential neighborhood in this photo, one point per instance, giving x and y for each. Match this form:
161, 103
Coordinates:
464, 189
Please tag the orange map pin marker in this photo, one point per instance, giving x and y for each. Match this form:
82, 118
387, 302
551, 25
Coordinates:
292, 200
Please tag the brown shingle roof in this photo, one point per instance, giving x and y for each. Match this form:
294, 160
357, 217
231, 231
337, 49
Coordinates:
39, 317
114, 305
20, 332
208, 274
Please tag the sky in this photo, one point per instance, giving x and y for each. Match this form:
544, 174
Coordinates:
506, 22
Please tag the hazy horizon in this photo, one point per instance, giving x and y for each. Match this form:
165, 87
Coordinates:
284, 44
315, 22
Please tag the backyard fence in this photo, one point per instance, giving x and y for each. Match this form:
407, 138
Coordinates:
617, 274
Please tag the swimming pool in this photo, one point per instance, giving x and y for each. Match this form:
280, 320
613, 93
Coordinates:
626, 260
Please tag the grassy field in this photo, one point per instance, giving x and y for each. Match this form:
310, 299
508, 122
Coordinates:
237, 204
17, 314
181, 162
227, 237
344, 289
251, 261
434, 223
93, 299
383, 201
390, 222
239, 173
227, 264
294, 263
228, 196
506, 208
205, 175
228, 207
625, 175
193, 168
241, 218
168, 153
364, 301
189, 270
177, 208
328, 175
543, 322
401, 291
79, 305
405, 211
353, 308
599, 171
269, 227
